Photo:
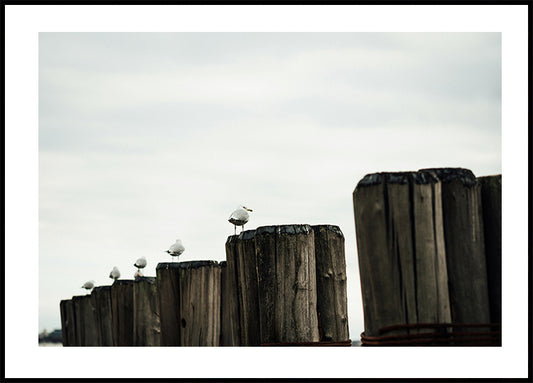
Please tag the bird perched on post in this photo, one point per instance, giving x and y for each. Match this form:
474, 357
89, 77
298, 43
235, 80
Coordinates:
239, 217
114, 274
140, 263
88, 285
176, 249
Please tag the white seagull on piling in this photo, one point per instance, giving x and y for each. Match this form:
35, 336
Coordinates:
140, 263
239, 217
115, 273
176, 249
88, 285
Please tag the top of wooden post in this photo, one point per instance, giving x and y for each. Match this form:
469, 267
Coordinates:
101, 288
398, 178
495, 180
185, 265
232, 238
79, 297
145, 279
465, 176
335, 229
285, 229
245, 235
123, 282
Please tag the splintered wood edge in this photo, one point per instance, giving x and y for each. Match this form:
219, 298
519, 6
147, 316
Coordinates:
185, 265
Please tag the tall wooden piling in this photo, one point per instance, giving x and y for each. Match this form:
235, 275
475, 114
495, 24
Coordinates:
68, 323
122, 308
87, 332
146, 323
465, 245
332, 301
169, 302
491, 200
199, 292
248, 289
229, 325
287, 283
400, 249
101, 300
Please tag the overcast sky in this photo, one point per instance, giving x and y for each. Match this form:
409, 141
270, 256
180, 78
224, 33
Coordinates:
149, 137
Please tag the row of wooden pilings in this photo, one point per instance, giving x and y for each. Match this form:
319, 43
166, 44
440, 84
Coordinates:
429, 249
279, 285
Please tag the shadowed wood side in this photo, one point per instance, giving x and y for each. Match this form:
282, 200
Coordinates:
167, 281
248, 289
86, 325
491, 198
101, 299
146, 323
378, 269
122, 308
287, 283
230, 329
465, 245
402, 258
200, 303
332, 302
68, 323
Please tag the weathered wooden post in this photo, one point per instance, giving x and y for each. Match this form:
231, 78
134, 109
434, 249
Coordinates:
68, 323
229, 325
332, 301
465, 244
287, 284
86, 322
248, 289
491, 201
101, 300
122, 308
225, 329
169, 298
401, 250
199, 293
146, 324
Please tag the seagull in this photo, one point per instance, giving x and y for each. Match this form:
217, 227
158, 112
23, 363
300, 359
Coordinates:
140, 263
88, 285
176, 249
114, 274
239, 217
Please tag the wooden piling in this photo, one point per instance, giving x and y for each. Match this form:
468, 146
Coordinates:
247, 289
169, 308
68, 323
400, 250
464, 243
332, 301
287, 283
87, 332
122, 308
101, 300
491, 201
229, 322
199, 293
146, 323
